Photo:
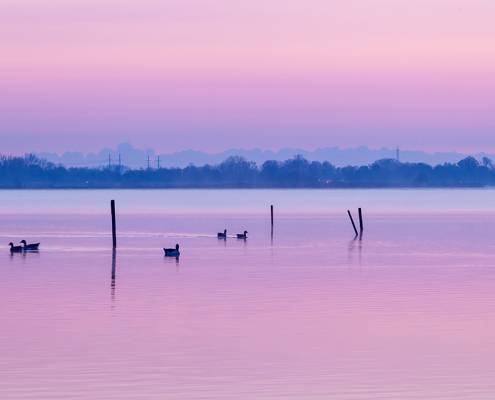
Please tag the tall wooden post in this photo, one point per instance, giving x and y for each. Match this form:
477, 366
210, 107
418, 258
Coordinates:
360, 220
114, 235
271, 210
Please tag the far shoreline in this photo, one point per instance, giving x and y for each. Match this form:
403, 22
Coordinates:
250, 187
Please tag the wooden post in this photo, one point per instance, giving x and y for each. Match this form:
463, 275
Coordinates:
360, 220
271, 209
114, 235
352, 221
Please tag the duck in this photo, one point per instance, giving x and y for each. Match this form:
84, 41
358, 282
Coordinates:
172, 252
32, 246
221, 235
242, 235
15, 249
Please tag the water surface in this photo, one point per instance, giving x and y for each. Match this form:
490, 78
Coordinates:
310, 312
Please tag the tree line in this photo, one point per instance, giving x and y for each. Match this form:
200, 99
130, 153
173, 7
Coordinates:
30, 171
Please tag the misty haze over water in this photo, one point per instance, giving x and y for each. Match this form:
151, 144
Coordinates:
135, 158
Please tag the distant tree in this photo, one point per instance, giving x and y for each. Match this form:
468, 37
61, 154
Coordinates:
487, 162
270, 171
468, 164
421, 179
237, 168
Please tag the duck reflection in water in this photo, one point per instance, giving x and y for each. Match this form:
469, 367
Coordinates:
171, 259
170, 255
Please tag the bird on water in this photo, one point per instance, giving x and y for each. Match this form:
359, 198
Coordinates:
32, 246
15, 249
172, 252
242, 235
223, 235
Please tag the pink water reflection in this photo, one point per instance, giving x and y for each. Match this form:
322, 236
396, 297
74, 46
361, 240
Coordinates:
406, 312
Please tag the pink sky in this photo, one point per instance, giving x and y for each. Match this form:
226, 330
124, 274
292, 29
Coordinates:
210, 75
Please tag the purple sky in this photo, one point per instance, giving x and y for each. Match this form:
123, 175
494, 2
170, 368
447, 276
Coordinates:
211, 75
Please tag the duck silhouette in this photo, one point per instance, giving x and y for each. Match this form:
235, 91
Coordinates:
172, 252
32, 246
221, 235
242, 235
15, 249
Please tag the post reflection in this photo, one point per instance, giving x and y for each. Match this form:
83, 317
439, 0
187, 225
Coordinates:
271, 248
352, 245
350, 249
112, 285
360, 246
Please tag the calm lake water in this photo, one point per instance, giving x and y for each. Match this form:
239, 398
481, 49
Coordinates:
407, 311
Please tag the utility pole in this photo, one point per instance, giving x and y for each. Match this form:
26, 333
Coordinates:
398, 154
158, 162
148, 162
109, 161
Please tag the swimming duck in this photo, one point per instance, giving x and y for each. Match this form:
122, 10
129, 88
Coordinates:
242, 235
172, 252
32, 246
221, 235
15, 249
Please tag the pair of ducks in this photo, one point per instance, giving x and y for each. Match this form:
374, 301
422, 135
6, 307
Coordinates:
18, 249
223, 235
